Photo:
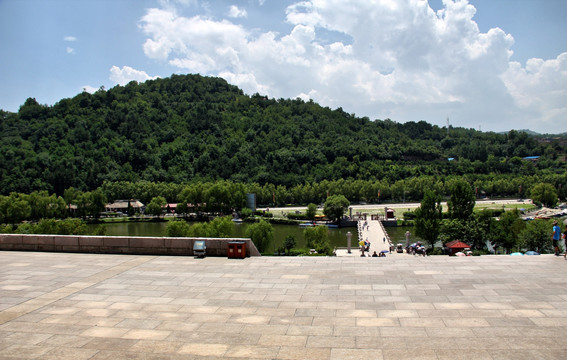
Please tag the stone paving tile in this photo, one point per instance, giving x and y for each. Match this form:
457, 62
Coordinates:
89, 306
253, 351
402, 354
66, 340
156, 347
470, 354
64, 353
300, 352
197, 349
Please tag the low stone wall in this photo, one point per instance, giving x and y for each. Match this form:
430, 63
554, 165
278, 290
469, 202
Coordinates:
118, 244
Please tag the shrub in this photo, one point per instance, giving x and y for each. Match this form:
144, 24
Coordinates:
220, 227
261, 234
317, 238
289, 243
177, 228
311, 211
100, 231
479, 252
246, 213
535, 236
409, 215
294, 216
298, 252
435, 251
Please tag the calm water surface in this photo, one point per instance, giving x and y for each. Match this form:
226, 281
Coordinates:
337, 237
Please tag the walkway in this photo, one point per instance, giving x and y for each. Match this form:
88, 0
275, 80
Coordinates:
98, 307
374, 231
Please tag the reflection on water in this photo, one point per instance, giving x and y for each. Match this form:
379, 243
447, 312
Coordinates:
337, 237
398, 234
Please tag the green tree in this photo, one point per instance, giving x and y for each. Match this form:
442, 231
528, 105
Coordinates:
246, 213
289, 243
311, 211
462, 201
428, 218
70, 195
219, 227
335, 207
46, 226
182, 208
508, 229
222, 227
261, 234
177, 228
452, 229
486, 228
155, 206
317, 238
544, 194
14, 208
536, 236
98, 203
91, 203
73, 227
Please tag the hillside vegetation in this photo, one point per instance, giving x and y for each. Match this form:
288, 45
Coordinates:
189, 128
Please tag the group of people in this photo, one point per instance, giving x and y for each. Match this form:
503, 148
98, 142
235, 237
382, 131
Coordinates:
416, 249
365, 248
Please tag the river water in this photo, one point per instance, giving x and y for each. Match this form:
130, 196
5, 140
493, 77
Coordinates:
337, 237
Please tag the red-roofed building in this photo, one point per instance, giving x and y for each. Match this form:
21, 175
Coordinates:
455, 246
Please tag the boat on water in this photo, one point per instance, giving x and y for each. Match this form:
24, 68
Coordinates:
306, 224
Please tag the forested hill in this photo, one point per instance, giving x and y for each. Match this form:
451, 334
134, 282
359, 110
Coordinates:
189, 128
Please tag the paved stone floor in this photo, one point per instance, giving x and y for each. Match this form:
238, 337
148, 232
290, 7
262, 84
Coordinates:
88, 306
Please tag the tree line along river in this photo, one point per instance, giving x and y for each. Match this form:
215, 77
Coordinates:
337, 237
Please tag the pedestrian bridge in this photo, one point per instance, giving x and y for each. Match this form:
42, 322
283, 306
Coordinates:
372, 230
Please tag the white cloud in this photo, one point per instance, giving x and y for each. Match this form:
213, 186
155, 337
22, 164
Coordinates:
89, 89
236, 12
540, 88
126, 74
402, 60
69, 49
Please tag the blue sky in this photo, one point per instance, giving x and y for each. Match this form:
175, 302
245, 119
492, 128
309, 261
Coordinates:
490, 64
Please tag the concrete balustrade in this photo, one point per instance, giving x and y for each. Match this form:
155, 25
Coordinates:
139, 245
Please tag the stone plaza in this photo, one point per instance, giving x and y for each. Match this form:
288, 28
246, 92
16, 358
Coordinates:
93, 306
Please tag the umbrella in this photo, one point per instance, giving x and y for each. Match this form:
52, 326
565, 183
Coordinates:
384, 251
532, 253
517, 254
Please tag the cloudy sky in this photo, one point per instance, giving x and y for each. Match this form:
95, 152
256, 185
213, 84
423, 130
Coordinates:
492, 65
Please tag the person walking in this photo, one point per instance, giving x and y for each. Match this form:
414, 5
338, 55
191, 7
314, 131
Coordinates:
556, 237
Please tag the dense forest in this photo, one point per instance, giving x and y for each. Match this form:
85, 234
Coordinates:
190, 129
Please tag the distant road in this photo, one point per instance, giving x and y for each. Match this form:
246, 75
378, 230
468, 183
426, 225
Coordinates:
405, 206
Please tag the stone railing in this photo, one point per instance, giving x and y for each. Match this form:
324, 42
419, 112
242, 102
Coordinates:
140, 245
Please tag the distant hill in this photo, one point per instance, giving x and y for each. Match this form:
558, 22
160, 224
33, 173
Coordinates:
529, 132
188, 127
